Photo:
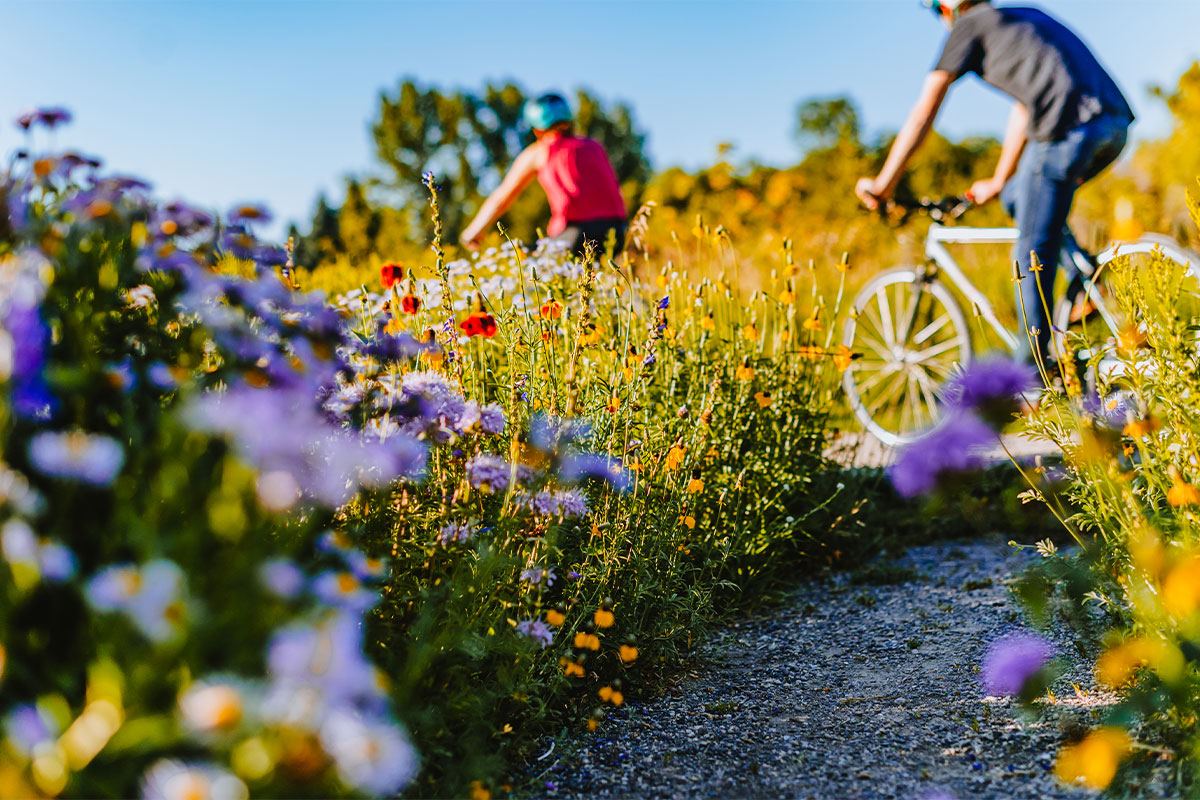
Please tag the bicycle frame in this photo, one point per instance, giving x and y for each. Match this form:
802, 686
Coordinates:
935, 249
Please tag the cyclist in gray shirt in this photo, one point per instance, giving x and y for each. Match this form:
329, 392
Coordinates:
1070, 121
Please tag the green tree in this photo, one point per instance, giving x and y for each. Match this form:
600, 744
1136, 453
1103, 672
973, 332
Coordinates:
822, 123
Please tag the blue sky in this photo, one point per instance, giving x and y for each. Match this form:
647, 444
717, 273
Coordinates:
223, 102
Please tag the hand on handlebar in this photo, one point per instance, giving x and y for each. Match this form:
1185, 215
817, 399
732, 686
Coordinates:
984, 191
871, 194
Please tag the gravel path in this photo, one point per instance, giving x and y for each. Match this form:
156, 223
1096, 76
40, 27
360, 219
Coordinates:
848, 691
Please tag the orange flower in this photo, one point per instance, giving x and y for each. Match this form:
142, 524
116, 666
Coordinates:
627, 653
603, 618
611, 695
745, 372
614, 403
555, 617
688, 520
552, 309
763, 398
410, 303
1183, 494
587, 641
393, 327
593, 724
844, 357
674, 458
571, 669
695, 485
813, 323
1139, 428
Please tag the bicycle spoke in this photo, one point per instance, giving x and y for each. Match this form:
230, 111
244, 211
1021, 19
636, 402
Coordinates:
910, 315
936, 350
876, 345
928, 391
874, 380
888, 396
929, 330
914, 399
885, 314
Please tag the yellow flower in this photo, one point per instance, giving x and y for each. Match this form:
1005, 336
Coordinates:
844, 264
587, 641
1130, 338
674, 458
571, 669
745, 372
689, 521
628, 373
1181, 588
708, 323
627, 653
695, 485
843, 358
787, 297
555, 617
750, 332
813, 323
613, 404
1183, 494
479, 791
592, 724
763, 398
661, 281
603, 618
810, 352
1094, 760
610, 695
1117, 665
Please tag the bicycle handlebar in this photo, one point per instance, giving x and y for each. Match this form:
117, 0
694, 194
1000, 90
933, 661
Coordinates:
944, 209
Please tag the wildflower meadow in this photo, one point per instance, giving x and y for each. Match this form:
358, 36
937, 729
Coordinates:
429, 525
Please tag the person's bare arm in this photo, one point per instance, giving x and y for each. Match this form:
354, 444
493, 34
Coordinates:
1010, 155
920, 121
519, 175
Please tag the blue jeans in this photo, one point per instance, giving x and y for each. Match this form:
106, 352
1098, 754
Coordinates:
1039, 198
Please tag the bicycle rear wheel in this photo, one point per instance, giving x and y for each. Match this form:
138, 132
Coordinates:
909, 334
1088, 318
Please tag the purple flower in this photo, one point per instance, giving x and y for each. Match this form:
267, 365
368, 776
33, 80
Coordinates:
342, 590
493, 472
567, 504
75, 455
326, 656
248, 213
1113, 411
491, 418
580, 466
30, 336
986, 383
28, 726
454, 532
282, 578
57, 563
665, 302
538, 577
1010, 663
952, 447
536, 629
50, 116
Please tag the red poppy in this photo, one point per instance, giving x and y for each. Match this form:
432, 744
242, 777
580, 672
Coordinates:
410, 303
391, 273
479, 323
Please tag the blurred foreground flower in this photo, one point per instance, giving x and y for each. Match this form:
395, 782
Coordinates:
990, 388
1093, 761
1012, 661
150, 595
951, 448
75, 455
172, 780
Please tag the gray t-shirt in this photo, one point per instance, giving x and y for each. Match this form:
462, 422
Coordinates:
1030, 55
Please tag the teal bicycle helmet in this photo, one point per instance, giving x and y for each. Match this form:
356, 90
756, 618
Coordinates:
547, 111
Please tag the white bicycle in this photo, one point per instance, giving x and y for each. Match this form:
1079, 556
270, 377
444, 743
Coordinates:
909, 331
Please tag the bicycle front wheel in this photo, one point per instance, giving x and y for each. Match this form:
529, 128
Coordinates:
909, 335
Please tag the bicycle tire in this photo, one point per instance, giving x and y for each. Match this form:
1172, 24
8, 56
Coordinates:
884, 352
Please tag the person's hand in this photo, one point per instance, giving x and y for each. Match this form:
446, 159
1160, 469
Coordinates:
870, 193
985, 191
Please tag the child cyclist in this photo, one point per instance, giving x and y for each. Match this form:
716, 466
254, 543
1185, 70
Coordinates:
1070, 121
585, 199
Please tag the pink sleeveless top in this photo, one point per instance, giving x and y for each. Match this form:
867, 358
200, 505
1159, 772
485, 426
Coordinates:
579, 182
